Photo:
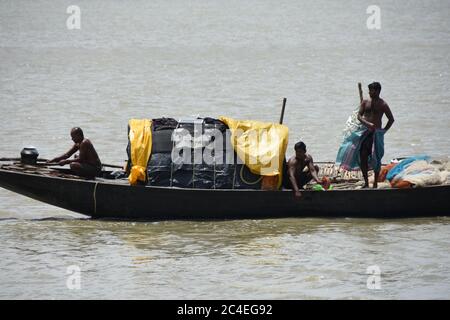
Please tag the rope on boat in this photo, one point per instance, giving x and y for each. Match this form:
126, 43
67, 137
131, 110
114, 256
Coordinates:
248, 182
95, 197
171, 162
234, 176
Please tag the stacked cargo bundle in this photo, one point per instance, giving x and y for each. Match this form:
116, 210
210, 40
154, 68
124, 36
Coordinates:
187, 154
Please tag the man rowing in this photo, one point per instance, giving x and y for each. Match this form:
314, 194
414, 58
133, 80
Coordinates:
87, 164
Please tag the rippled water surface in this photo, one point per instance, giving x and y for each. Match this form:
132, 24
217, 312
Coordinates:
281, 259
211, 58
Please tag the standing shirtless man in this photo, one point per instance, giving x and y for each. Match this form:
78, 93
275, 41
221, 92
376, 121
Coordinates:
370, 114
88, 163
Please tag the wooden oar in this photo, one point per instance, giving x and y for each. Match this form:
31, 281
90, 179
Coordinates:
44, 163
103, 165
18, 159
9, 159
111, 166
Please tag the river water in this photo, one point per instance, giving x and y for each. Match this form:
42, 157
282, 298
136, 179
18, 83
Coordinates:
133, 59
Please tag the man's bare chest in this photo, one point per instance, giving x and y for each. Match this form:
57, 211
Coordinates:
373, 109
300, 167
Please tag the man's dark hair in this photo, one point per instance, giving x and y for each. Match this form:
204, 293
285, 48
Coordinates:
77, 131
375, 86
300, 145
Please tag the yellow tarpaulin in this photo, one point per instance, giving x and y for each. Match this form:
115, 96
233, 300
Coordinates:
260, 145
140, 136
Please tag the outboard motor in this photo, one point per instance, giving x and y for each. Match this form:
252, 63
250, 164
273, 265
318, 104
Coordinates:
29, 155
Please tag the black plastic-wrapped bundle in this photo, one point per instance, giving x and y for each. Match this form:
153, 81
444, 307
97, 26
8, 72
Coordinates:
160, 164
159, 169
216, 173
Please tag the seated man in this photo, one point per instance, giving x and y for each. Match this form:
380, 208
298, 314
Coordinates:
88, 163
297, 178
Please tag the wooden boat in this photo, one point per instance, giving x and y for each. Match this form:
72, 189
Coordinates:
103, 198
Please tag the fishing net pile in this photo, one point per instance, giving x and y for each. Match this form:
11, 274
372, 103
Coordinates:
418, 171
352, 124
411, 172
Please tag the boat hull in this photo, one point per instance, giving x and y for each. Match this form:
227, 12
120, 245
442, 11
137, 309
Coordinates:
100, 199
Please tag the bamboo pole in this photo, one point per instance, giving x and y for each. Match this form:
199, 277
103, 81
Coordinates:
361, 98
282, 110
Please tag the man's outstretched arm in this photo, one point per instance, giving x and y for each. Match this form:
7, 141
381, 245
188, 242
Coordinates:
313, 171
66, 155
291, 173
